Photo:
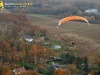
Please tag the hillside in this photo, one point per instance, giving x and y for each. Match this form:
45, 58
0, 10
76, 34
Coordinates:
86, 37
35, 43
80, 28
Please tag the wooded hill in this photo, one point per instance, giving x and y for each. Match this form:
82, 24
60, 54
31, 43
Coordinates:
16, 25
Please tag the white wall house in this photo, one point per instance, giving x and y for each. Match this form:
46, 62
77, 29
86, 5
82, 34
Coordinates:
28, 39
94, 11
56, 47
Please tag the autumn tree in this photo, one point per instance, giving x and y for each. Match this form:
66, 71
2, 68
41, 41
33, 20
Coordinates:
92, 61
59, 71
6, 70
94, 72
42, 54
22, 55
5, 46
72, 68
67, 72
99, 63
52, 52
33, 52
5, 49
9, 32
31, 73
14, 50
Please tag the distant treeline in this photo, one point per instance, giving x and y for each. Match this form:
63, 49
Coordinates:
61, 9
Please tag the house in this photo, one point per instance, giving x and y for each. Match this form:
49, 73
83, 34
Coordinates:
89, 74
39, 39
19, 70
56, 47
94, 11
27, 38
56, 66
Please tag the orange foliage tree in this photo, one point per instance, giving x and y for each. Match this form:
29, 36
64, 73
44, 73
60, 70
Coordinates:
33, 53
59, 71
5, 70
42, 54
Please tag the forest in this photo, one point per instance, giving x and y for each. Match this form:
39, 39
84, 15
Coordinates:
13, 48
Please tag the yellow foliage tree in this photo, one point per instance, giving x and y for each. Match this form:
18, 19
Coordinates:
93, 72
67, 72
70, 69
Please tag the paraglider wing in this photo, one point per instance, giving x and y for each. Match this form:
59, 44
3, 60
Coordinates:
72, 18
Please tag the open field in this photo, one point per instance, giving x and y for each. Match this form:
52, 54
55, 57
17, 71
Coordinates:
43, 16
74, 27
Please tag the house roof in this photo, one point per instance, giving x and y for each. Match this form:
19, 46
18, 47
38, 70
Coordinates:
19, 70
56, 66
